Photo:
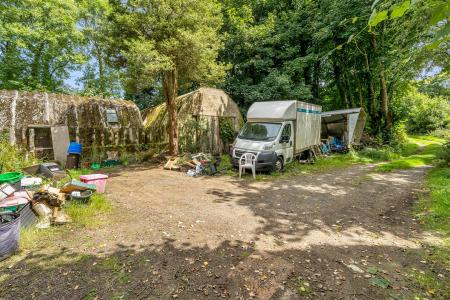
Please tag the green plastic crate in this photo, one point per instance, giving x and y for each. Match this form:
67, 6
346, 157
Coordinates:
11, 177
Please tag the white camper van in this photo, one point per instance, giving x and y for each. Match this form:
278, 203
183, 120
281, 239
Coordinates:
277, 132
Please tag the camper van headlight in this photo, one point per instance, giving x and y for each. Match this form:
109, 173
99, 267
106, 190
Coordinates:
268, 147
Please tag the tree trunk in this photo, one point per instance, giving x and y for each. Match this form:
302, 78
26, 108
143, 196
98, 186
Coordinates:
385, 102
370, 88
36, 64
340, 84
170, 86
316, 81
101, 72
349, 90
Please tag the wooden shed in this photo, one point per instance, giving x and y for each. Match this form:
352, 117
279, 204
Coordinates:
202, 114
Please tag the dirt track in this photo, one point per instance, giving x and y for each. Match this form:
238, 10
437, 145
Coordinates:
172, 236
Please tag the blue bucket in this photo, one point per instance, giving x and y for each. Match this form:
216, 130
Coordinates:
75, 148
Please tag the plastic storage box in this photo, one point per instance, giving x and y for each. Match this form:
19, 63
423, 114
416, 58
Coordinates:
14, 202
98, 179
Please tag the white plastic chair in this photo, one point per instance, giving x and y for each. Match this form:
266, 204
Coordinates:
247, 160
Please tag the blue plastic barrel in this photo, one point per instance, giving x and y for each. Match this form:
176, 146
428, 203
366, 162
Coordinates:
74, 148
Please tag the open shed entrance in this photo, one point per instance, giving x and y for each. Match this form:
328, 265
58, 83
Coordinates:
49, 142
343, 128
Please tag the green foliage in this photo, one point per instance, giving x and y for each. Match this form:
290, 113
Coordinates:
193, 134
426, 113
12, 158
39, 42
91, 214
424, 156
444, 153
227, 132
433, 208
377, 155
99, 77
155, 37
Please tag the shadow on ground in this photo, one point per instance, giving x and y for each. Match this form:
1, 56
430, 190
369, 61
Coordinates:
317, 237
234, 270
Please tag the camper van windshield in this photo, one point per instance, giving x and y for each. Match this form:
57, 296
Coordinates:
260, 131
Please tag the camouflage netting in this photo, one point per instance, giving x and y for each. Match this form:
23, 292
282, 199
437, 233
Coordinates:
200, 114
85, 117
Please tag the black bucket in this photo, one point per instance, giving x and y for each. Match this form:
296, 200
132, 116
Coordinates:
9, 234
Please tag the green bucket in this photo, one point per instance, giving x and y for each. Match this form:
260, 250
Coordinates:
11, 177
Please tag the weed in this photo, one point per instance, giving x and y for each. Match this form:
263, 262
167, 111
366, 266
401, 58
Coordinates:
245, 254
76, 173
433, 208
13, 159
303, 288
111, 263
31, 237
84, 257
91, 295
433, 286
88, 215
123, 277
425, 155
119, 296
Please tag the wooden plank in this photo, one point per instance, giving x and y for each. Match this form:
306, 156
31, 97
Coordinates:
60, 140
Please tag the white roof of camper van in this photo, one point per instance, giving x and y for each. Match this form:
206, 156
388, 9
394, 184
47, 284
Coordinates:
277, 110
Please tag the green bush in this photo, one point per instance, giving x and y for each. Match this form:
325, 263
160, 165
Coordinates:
444, 153
443, 133
381, 154
426, 113
227, 132
12, 158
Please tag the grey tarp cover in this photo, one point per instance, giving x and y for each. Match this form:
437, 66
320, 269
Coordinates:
9, 234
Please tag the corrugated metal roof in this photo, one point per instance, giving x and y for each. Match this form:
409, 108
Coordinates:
342, 112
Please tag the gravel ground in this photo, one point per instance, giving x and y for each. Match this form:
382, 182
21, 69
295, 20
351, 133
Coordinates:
172, 236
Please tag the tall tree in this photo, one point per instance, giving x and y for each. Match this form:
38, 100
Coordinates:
39, 43
169, 43
99, 77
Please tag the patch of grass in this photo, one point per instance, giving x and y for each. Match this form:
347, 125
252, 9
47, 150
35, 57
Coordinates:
433, 286
425, 139
303, 288
32, 237
424, 156
88, 215
91, 295
76, 173
12, 158
113, 264
245, 254
409, 148
322, 164
433, 208
119, 296
372, 155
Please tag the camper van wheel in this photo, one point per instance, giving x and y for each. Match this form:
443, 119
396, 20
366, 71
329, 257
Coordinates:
279, 164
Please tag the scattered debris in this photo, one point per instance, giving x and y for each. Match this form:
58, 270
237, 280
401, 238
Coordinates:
380, 282
355, 268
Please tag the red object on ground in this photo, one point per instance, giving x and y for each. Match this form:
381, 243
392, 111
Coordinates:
98, 179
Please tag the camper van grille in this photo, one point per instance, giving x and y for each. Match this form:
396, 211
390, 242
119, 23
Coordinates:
239, 153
